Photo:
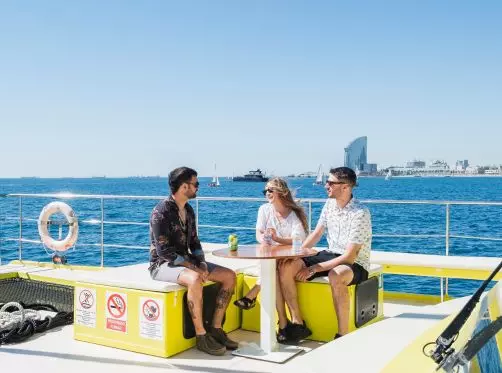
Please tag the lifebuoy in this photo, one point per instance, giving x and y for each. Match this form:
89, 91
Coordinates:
71, 237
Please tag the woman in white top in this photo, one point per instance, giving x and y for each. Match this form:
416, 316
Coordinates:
278, 221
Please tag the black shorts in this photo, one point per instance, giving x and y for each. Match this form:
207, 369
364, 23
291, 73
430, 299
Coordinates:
360, 274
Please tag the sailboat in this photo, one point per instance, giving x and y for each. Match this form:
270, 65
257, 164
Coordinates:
319, 180
216, 181
389, 175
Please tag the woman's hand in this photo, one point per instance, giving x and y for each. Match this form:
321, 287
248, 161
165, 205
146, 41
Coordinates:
273, 234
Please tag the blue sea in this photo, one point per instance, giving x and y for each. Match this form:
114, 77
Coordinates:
484, 221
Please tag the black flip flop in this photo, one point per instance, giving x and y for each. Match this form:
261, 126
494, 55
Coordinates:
245, 303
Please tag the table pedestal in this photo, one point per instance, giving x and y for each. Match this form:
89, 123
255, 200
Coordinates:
269, 349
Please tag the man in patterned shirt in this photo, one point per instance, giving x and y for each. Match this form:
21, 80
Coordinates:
346, 261
176, 256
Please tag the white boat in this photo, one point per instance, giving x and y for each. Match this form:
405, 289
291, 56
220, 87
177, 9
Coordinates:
319, 180
389, 175
216, 181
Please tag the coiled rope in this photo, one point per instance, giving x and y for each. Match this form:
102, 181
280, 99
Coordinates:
19, 322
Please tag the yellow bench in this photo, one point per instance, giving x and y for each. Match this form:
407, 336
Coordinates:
317, 308
124, 308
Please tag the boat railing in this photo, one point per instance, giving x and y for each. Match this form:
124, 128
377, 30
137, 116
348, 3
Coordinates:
20, 239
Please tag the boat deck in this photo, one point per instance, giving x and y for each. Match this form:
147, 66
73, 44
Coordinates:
57, 351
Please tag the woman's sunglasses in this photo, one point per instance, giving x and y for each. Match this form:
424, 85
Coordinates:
267, 190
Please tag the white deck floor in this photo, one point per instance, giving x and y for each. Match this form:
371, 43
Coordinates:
57, 351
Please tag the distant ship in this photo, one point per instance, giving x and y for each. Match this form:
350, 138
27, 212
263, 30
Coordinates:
306, 175
252, 176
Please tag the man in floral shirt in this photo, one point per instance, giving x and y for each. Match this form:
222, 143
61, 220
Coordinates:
346, 261
176, 256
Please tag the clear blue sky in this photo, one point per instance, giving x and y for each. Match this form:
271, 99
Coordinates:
139, 87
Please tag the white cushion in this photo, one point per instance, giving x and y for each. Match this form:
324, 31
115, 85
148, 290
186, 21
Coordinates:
435, 261
22, 269
131, 277
138, 277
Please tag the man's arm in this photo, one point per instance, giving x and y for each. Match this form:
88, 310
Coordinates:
161, 230
314, 237
196, 249
360, 228
195, 246
348, 257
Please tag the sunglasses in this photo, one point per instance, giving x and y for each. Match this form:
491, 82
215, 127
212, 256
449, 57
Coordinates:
267, 190
331, 183
196, 184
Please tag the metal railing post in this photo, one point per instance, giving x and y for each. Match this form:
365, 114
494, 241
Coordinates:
102, 232
447, 240
310, 216
197, 215
20, 228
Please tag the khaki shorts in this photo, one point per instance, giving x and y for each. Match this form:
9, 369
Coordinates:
170, 274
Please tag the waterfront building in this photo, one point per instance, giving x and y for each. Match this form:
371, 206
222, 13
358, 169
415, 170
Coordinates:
415, 164
461, 165
356, 157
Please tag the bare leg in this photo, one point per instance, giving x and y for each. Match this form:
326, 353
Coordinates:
287, 275
253, 293
193, 282
279, 304
339, 278
228, 280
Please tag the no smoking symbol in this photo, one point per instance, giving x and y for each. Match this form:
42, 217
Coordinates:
86, 299
116, 305
151, 310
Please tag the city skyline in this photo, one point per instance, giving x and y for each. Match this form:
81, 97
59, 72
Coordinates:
107, 88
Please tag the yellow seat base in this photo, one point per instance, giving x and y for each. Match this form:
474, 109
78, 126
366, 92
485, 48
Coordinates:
316, 306
151, 322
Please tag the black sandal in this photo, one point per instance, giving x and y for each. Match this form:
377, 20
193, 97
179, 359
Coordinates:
282, 334
245, 303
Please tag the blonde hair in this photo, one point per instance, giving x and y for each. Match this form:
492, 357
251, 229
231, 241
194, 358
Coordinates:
281, 187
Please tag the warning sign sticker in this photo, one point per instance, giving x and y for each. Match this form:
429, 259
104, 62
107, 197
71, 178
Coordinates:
116, 311
151, 318
86, 307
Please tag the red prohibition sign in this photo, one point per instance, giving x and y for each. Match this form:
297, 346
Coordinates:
151, 310
86, 299
116, 305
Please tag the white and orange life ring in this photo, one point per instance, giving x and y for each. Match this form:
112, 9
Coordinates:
43, 219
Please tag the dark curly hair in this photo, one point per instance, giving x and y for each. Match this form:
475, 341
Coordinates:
180, 175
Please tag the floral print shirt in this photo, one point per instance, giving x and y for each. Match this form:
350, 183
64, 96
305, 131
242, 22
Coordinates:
171, 240
350, 224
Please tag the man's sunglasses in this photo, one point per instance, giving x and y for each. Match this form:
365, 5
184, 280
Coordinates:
331, 183
267, 190
196, 184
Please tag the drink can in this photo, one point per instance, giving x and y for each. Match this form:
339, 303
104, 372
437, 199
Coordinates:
233, 242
